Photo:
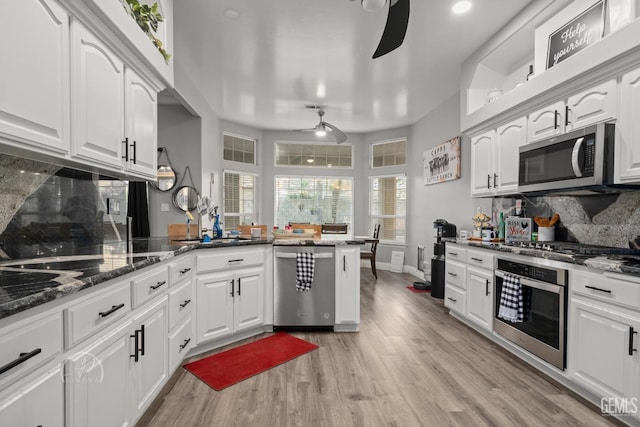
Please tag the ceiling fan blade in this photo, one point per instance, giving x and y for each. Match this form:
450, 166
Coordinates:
337, 133
306, 130
395, 29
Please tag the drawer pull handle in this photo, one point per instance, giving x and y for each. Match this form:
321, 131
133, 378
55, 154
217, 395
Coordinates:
142, 339
631, 334
452, 299
486, 288
20, 360
185, 303
453, 253
158, 285
452, 274
607, 291
238, 286
185, 343
186, 270
236, 260
113, 309
476, 259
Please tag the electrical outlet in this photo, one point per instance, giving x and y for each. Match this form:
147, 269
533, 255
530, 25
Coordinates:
164, 207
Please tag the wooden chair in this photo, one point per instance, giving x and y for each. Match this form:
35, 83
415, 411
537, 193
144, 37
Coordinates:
371, 254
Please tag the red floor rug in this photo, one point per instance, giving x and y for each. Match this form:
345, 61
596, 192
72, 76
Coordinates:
221, 370
418, 291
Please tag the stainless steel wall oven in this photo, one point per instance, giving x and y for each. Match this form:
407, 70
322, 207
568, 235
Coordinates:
542, 330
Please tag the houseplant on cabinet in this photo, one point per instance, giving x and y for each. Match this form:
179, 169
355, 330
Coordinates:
147, 17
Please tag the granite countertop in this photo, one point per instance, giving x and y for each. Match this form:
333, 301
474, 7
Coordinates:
623, 264
35, 280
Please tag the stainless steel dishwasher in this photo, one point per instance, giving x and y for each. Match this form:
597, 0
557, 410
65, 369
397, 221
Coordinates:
312, 309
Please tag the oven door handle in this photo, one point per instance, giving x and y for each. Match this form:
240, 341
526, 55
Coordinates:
574, 157
556, 289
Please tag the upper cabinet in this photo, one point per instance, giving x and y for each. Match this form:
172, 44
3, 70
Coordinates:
34, 89
141, 134
627, 166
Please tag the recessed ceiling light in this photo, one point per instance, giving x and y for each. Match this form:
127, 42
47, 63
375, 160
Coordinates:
231, 13
461, 7
309, 160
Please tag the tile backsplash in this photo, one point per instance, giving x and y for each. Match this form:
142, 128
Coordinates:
46, 210
607, 219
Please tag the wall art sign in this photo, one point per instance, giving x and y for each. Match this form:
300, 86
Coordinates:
576, 35
517, 229
442, 162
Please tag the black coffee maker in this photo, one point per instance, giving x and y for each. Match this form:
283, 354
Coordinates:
442, 229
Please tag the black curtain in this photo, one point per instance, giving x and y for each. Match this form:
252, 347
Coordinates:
138, 209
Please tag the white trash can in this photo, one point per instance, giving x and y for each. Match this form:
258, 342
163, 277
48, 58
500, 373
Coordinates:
397, 261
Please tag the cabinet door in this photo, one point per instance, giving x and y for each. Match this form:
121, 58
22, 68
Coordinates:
141, 127
627, 150
480, 297
39, 403
151, 370
214, 318
348, 285
546, 122
599, 350
98, 94
482, 164
249, 299
595, 105
509, 138
34, 100
97, 382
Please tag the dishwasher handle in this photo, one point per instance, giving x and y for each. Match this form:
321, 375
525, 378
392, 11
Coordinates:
291, 255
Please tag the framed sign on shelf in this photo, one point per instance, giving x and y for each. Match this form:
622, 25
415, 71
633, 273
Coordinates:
442, 162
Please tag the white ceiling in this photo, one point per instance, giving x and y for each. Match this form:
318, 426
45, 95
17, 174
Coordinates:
263, 67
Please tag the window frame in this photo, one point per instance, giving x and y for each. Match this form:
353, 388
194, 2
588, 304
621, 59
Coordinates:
275, 155
388, 141
246, 138
380, 217
256, 194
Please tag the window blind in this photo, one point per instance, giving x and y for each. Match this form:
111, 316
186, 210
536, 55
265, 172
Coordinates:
388, 207
239, 199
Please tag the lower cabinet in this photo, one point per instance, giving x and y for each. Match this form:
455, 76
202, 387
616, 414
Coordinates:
347, 286
480, 297
229, 302
39, 403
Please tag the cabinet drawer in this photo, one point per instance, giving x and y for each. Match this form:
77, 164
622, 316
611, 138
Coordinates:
482, 259
180, 303
454, 299
600, 287
455, 253
27, 347
180, 342
454, 274
146, 287
89, 316
224, 260
180, 269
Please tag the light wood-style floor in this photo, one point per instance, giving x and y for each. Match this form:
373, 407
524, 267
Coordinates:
411, 364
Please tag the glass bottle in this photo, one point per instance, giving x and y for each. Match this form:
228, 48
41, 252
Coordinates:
501, 226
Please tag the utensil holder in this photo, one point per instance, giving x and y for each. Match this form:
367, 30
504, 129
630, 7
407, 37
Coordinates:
546, 234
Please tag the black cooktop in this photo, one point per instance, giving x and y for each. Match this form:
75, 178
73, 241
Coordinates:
574, 248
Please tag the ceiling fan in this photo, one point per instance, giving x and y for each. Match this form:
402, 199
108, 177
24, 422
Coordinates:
396, 27
322, 128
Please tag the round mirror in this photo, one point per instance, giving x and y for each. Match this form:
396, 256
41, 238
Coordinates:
166, 178
185, 198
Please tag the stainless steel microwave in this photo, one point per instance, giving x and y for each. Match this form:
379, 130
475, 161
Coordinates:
577, 160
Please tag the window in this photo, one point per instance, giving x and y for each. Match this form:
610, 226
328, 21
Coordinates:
239, 199
314, 155
389, 153
239, 149
314, 200
388, 206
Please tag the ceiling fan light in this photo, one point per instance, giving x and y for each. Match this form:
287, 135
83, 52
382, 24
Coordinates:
321, 132
373, 5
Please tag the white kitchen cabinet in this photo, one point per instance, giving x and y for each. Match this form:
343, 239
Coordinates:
604, 349
347, 286
98, 100
97, 382
455, 285
594, 105
627, 149
480, 297
34, 101
229, 302
140, 126
39, 403
149, 361
494, 159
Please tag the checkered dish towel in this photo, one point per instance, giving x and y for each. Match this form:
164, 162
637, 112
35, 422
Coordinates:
305, 263
511, 300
